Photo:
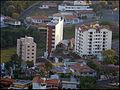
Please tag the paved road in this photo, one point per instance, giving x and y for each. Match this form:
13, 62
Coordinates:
29, 10
106, 82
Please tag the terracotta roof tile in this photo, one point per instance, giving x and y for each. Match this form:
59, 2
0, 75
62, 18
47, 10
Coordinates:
70, 16
86, 12
37, 79
52, 81
39, 17
84, 68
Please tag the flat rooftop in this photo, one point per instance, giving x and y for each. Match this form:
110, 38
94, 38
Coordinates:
22, 82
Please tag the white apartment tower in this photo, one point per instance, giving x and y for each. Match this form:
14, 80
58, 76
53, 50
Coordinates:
26, 49
91, 39
54, 35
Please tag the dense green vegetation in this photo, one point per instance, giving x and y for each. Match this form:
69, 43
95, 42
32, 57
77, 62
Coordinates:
109, 57
6, 54
93, 64
102, 22
90, 84
14, 8
38, 12
9, 37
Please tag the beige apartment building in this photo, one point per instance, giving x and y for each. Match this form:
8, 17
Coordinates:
26, 49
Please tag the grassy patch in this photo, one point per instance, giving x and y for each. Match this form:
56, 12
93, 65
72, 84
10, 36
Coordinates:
6, 54
41, 12
69, 32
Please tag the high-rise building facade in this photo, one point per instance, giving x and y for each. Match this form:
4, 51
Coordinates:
92, 39
26, 49
54, 35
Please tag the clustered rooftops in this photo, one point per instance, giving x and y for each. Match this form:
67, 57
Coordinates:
67, 16
82, 68
93, 25
38, 79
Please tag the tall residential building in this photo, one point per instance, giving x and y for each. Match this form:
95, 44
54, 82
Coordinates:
54, 35
26, 49
92, 38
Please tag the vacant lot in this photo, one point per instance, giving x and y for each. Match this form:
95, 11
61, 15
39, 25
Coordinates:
6, 54
69, 32
41, 12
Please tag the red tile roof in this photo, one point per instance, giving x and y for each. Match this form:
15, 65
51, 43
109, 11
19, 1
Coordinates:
40, 25
37, 79
39, 17
52, 81
86, 12
69, 16
80, 68
50, 4
6, 81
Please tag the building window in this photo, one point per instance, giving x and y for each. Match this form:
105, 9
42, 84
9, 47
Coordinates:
32, 49
91, 73
28, 50
89, 48
53, 42
90, 39
104, 32
48, 86
90, 35
28, 53
90, 42
89, 52
90, 45
103, 45
28, 46
103, 38
32, 56
53, 39
91, 32
103, 35
27, 57
32, 46
32, 53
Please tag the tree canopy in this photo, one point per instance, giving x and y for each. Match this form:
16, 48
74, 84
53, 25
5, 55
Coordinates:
109, 57
10, 8
90, 84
